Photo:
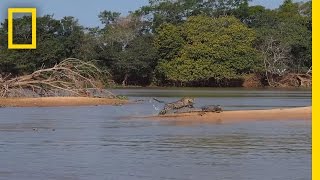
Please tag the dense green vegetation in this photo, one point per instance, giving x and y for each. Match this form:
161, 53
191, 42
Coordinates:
181, 42
209, 49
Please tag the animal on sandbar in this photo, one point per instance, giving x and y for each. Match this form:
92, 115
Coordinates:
184, 102
212, 108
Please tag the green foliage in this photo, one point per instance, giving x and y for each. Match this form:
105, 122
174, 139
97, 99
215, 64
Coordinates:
188, 70
108, 17
213, 48
136, 63
182, 41
289, 26
169, 41
127, 52
56, 40
176, 12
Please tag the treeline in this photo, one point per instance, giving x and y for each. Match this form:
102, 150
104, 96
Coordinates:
180, 43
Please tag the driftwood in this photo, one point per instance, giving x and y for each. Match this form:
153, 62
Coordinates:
71, 77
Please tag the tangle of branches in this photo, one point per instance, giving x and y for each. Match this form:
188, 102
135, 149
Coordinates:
71, 77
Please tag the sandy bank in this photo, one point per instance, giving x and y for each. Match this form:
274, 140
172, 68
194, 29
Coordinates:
302, 113
58, 101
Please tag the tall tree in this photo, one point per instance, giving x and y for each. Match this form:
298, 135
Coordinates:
290, 28
126, 49
136, 64
56, 40
177, 11
213, 48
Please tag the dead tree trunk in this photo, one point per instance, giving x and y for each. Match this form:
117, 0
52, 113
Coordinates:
125, 80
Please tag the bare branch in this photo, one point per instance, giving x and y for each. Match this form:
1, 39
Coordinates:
71, 77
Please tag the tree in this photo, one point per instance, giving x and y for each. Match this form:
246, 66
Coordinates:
289, 26
169, 41
276, 56
185, 42
136, 64
71, 34
119, 29
126, 50
213, 48
176, 12
56, 40
108, 17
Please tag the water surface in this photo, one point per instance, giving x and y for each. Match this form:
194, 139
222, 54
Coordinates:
100, 143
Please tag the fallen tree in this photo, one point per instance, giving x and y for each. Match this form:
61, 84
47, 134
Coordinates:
71, 77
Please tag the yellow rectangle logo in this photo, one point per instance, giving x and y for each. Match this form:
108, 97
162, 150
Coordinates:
33, 12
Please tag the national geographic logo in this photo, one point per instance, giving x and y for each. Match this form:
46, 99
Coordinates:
33, 12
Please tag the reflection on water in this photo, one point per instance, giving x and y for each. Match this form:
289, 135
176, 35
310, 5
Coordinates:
98, 143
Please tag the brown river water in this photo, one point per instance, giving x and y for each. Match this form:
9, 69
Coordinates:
100, 142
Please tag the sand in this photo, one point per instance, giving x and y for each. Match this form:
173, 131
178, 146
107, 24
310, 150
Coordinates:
301, 113
58, 101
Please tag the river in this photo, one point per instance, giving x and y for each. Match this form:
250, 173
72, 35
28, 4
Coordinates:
100, 142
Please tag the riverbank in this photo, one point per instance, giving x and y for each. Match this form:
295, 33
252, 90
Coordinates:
301, 113
249, 81
59, 101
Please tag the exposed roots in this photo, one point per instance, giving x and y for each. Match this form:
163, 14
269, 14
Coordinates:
71, 77
291, 80
296, 80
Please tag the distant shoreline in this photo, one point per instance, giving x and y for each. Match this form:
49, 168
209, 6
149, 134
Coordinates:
59, 102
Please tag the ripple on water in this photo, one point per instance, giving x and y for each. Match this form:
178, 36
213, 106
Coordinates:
98, 143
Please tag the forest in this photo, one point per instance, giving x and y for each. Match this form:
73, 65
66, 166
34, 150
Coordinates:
199, 43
